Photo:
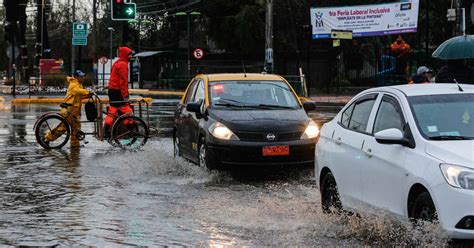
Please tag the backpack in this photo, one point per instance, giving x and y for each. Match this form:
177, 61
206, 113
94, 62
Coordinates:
91, 111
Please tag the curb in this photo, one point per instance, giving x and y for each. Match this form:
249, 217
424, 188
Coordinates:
60, 100
155, 92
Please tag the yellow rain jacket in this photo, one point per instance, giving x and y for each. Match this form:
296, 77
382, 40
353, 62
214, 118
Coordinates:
75, 94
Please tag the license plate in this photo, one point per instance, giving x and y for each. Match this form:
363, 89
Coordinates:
275, 150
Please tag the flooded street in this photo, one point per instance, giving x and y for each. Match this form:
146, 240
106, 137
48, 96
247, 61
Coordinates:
102, 196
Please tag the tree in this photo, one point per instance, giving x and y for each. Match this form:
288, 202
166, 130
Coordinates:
236, 26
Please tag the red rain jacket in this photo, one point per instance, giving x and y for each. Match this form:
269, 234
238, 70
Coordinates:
119, 75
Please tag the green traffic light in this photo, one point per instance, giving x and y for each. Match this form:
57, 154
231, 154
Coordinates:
123, 11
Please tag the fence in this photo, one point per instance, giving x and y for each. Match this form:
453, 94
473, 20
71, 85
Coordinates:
369, 65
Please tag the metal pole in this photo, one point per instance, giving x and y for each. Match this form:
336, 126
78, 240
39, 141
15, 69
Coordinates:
139, 33
13, 62
111, 31
427, 38
73, 54
269, 37
94, 27
42, 26
189, 50
463, 21
103, 75
79, 58
458, 30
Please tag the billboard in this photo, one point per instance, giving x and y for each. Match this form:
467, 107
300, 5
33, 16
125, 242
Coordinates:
366, 20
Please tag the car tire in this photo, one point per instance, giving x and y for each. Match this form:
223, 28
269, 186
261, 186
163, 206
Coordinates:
424, 208
330, 201
203, 158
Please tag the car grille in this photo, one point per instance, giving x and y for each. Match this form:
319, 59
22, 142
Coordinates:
262, 136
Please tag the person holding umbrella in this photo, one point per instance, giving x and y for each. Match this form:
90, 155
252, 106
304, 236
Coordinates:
455, 69
456, 50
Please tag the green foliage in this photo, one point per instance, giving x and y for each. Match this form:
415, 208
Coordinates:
236, 26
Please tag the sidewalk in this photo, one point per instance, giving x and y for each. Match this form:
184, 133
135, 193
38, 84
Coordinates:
159, 94
340, 100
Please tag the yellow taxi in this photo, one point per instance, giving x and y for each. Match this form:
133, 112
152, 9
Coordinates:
231, 120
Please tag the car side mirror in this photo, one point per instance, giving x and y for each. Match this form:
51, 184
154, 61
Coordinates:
391, 136
196, 107
309, 106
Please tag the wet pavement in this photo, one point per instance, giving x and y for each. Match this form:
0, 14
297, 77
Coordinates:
102, 196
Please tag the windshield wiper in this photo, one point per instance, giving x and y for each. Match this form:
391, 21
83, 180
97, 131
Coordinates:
450, 137
228, 100
274, 106
230, 105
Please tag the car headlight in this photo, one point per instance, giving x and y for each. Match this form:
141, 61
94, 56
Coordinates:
458, 176
312, 131
220, 131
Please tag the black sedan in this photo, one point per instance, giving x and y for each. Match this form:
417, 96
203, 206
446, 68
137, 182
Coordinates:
230, 120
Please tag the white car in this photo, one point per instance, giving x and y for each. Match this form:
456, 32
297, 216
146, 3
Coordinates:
407, 149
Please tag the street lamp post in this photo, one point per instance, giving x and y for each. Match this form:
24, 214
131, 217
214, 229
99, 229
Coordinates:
111, 29
189, 36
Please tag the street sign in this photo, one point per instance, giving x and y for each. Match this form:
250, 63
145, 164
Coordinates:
198, 53
79, 41
451, 15
269, 55
103, 60
341, 34
79, 29
79, 34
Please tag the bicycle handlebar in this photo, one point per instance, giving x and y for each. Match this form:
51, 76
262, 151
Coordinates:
95, 97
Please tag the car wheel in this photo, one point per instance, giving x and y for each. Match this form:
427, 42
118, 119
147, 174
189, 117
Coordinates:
330, 200
424, 208
204, 160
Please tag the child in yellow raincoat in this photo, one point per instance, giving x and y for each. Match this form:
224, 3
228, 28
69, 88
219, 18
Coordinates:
71, 109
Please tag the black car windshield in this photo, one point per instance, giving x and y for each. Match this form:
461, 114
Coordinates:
444, 117
252, 94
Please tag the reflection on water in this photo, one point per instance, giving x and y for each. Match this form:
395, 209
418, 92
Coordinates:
99, 195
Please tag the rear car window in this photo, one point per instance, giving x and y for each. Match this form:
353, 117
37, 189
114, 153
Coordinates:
360, 115
356, 116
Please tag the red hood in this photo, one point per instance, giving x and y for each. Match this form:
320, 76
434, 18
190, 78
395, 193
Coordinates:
124, 52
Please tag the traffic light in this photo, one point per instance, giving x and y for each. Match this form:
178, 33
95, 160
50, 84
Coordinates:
122, 10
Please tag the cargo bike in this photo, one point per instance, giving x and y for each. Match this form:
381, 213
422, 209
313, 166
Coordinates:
128, 131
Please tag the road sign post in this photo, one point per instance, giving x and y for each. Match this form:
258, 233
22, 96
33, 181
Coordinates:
341, 34
198, 53
79, 41
79, 34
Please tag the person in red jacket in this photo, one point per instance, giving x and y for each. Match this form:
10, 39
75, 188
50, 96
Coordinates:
118, 89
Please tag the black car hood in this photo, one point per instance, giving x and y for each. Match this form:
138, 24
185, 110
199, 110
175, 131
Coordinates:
275, 120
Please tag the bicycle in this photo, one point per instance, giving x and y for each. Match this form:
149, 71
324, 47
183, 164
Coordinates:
127, 130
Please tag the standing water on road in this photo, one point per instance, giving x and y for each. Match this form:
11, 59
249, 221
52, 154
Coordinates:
100, 195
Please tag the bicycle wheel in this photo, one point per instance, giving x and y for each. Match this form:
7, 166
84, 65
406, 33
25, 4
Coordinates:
51, 124
130, 132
